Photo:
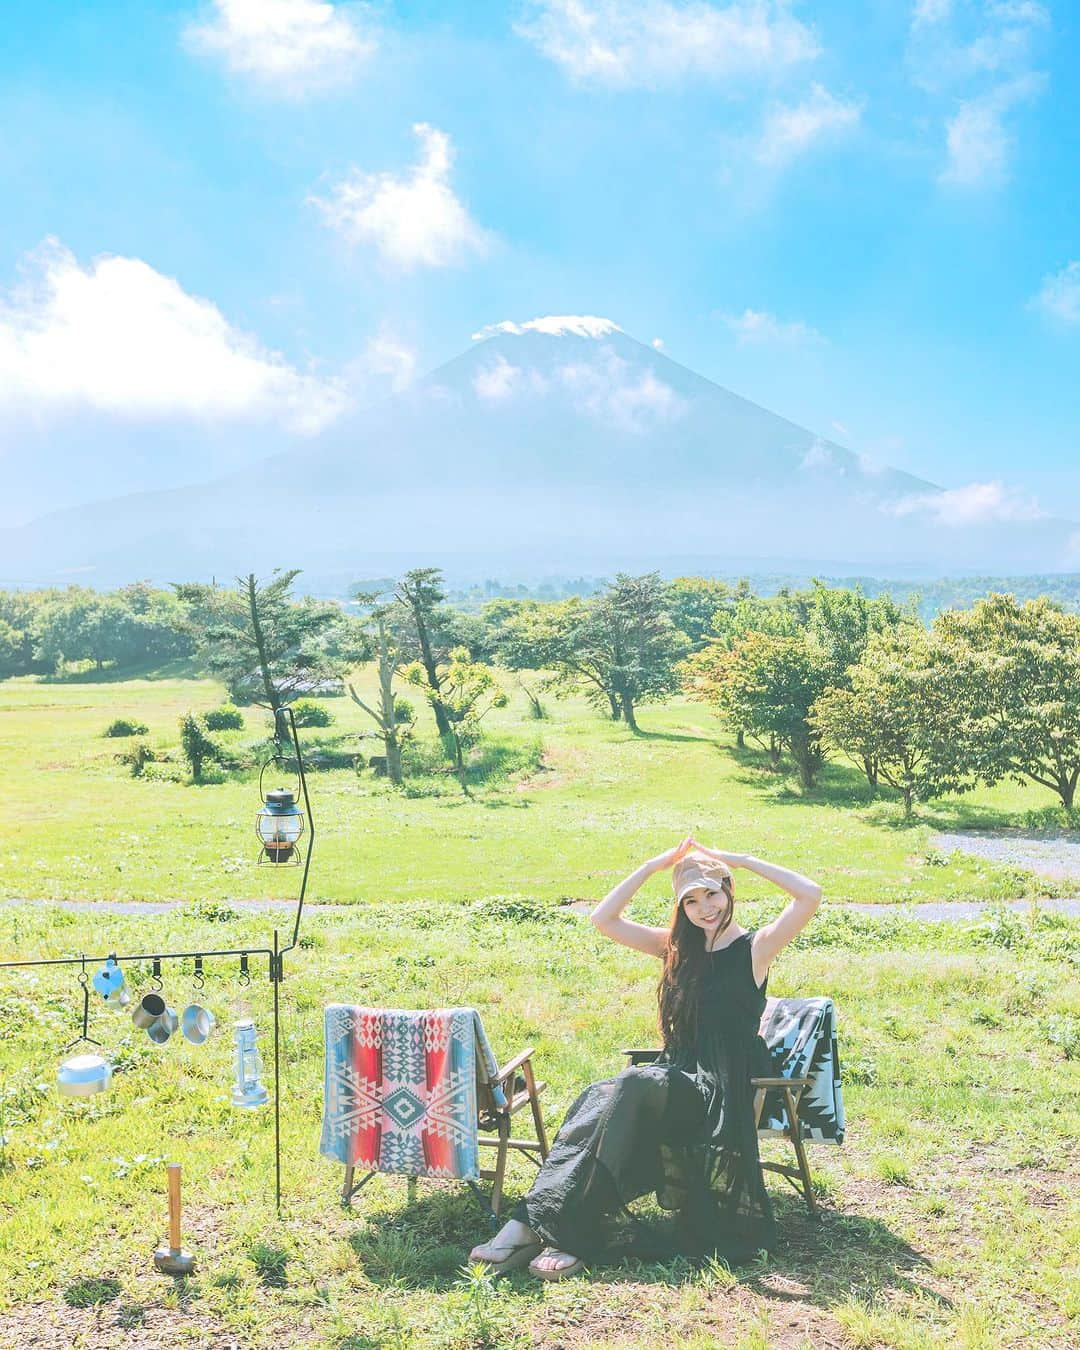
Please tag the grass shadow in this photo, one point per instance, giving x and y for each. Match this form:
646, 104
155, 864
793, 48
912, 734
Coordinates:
425, 1244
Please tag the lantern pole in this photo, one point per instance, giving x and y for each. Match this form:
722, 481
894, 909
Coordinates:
277, 1077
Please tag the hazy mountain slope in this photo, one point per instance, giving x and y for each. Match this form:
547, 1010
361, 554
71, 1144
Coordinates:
541, 445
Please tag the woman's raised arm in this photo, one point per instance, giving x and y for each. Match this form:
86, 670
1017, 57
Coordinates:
771, 939
607, 914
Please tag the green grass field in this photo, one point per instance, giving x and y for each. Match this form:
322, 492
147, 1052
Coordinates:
571, 804
951, 1216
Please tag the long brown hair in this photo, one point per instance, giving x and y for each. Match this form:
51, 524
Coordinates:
684, 966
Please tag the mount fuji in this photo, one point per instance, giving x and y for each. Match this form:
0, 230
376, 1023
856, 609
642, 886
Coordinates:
561, 443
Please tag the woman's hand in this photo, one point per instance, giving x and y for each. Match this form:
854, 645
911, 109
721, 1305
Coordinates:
731, 859
663, 861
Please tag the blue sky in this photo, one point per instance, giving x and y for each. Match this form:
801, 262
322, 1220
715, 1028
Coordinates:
233, 220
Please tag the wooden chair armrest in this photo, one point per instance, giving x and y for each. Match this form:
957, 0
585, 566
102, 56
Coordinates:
779, 1082
642, 1056
509, 1069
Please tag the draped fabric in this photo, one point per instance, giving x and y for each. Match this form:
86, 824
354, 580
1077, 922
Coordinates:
400, 1091
682, 1127
801, 1034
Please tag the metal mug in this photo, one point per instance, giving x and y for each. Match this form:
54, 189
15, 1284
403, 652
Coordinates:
147, 1011
197, 1022
160, 1031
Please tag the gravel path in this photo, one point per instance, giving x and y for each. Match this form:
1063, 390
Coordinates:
1051, 855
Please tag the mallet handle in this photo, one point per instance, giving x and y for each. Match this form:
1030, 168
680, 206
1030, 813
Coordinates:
174, 1207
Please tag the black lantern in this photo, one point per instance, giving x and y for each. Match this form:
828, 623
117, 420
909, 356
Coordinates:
279, 823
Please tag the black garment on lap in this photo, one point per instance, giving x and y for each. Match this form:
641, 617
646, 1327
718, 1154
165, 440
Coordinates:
682, 1127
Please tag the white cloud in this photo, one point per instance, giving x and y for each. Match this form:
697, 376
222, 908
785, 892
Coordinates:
388, 359
1059, 296
629, 43
973, 504
500, 380
414, 220
616, 393
980, 145
120, 338
818, 456
758, 326
291, 47
658, 344
555, 325
790, 130
931, 12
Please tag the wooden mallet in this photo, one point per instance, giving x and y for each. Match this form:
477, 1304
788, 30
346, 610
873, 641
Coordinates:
173, 1260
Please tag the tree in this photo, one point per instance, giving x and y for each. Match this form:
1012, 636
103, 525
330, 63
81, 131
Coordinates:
900, 716
197, 746
266, 647
84, 625
522, 637
1019, 667
468, 691
18, 610
693, 603
766, 684
619, 646
389, 662
419, 596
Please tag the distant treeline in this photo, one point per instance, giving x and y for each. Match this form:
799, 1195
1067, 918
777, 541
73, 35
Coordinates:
928, 597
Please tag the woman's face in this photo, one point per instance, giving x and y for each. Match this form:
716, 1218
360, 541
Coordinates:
705, 908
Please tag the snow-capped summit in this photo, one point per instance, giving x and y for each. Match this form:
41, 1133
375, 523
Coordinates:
554, 325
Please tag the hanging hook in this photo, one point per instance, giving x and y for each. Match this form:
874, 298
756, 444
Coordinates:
85, 1035
245, 974
197, 980
155, 975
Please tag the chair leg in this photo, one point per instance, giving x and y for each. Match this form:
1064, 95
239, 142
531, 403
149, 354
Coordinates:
500, 1165
534, 1103
349, 1190
795, 1135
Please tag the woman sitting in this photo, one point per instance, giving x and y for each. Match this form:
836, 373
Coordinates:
683, 1126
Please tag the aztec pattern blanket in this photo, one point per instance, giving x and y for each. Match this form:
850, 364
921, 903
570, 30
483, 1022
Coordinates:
801, 1034
401, 1089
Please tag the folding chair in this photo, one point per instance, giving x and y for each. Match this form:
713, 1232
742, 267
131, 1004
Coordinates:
418, 1092
804, 1100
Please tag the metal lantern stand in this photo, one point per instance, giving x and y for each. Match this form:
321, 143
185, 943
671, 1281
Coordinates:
275, 955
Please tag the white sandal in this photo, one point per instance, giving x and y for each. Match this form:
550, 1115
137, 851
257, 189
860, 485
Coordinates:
518, 1255
576, 1266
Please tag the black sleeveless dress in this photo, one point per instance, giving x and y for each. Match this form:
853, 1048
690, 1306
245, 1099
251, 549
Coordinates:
682, 1127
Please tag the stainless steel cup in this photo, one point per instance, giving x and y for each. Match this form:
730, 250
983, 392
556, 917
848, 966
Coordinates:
147, 1011
160, 1030
197, 1022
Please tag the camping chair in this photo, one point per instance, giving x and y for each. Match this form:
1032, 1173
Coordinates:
418, 1093
804, 1099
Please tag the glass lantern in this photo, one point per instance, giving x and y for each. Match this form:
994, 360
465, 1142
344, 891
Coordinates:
279, 823
248, 1087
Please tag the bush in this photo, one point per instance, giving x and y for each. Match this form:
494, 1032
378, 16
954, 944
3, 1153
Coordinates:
137, 756
197, 746
404, 712
308, 713
226, 718
126, 726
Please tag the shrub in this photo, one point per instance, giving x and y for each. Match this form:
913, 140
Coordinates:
197, 746
404, 712
126, 726
308, 713
137, 756
226, 718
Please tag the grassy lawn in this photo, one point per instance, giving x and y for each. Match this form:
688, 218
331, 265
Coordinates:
951, 1209
951, 1212
570, 804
